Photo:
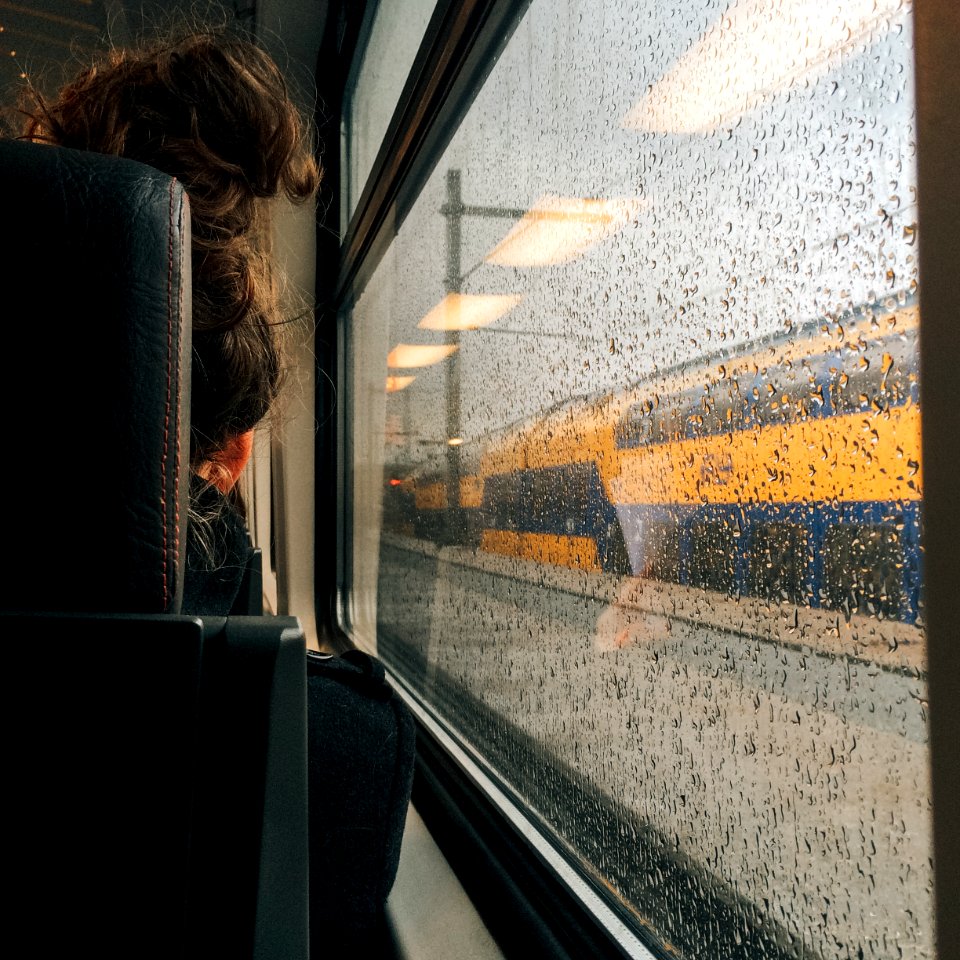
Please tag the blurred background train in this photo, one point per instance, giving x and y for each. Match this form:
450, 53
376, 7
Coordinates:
695, 477
624, 431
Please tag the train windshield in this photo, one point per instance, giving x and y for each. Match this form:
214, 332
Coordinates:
637, 493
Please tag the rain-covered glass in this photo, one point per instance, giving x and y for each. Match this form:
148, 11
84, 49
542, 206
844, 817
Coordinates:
389, 51
637, 482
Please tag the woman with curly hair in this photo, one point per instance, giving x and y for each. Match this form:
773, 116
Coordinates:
213, 111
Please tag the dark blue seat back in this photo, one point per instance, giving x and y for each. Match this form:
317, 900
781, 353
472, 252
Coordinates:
158, 762
95, 254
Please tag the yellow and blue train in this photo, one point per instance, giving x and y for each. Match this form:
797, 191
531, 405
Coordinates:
789, 472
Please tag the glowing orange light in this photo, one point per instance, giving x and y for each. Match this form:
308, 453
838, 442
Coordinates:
398, 383
468, 311
556, 229
394, 482
418, 354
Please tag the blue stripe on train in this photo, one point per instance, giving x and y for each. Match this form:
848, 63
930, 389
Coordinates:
816, 519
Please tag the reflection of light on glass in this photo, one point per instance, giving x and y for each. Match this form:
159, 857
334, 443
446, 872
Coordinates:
418, 355
556, 229
455, 441
398, 383
468, 311
751, 54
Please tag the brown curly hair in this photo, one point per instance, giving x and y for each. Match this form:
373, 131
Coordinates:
211, 109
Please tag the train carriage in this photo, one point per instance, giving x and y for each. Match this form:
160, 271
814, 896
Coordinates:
704, 476
622, 430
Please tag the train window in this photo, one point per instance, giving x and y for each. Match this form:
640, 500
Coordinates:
502, 500
636, 427
543, 501
393, 34
662, 559
721, 409
778, 562
857, 388
772, 403
647, 247
863, 570
650, 423
559, 498
712, 556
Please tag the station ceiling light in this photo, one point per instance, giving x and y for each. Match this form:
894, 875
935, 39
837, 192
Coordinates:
750, 54
468, 311
398, 383
405, 355
556, 229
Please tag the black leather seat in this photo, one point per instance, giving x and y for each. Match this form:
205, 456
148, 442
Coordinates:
158, 762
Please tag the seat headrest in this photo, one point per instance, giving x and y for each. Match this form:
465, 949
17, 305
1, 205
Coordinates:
95, 308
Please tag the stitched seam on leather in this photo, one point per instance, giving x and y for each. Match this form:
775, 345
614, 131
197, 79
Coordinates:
178, 412
166, 416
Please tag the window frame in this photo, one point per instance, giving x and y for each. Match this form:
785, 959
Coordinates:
458, 50
936, 51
